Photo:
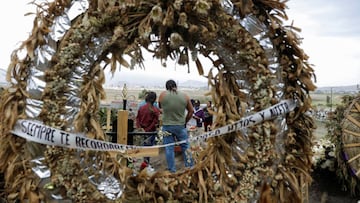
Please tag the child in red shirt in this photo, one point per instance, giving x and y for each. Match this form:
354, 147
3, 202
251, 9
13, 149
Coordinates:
148, 119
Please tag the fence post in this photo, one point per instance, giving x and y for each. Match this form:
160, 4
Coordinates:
108, 119
122, 130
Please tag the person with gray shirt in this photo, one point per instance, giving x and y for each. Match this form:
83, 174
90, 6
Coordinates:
174, 104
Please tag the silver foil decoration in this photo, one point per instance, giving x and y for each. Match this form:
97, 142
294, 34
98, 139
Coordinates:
39, 168
63, 23
42, 58
260, 32
33, 107
227, 6
107, 185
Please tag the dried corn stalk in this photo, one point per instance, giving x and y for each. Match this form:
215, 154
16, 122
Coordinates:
273, 166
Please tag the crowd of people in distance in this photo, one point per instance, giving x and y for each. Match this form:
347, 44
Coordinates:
178, 114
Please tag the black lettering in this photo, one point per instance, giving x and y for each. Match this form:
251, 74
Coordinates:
246, 122
207, 135
30, 129
99, 145
241, 122
262, 114
82, 142
66, 141
23, 125
251, 119
27, 131
232, 127
286, 107
279, 109
37, 130
42, 132
52, 136
77, 141
93, 145
273, 112
85, 142
47, 134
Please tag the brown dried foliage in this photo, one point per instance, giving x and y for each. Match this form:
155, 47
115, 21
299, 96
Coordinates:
173, 29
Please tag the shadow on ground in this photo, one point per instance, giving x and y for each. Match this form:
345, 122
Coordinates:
326, 188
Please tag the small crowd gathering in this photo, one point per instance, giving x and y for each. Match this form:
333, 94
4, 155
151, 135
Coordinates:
178, 115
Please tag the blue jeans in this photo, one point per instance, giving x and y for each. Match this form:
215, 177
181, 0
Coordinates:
180, 133
149, 141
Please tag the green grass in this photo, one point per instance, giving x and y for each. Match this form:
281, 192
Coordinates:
320, 100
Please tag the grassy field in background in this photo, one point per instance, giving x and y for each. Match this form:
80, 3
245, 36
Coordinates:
133, 94
319, 101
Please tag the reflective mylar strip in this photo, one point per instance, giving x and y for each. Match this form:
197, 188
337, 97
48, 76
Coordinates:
274, 111
36, 131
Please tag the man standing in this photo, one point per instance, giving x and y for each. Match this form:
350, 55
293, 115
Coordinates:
174, 104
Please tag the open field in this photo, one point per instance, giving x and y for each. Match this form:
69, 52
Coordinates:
318, 100
133, 94
321, 99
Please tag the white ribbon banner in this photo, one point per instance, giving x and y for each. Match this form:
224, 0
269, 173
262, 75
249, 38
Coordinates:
36, 131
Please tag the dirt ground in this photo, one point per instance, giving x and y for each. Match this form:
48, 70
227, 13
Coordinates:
326, 188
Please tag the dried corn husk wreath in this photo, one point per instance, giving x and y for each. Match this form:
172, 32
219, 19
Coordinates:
344, 129
177, 29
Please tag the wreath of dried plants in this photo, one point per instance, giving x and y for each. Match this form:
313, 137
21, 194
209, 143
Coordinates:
181, 30
343, 126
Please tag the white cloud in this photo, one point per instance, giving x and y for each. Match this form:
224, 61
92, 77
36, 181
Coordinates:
329, 28
331, 36
15, 28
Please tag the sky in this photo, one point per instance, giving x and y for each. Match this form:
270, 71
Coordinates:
330, 32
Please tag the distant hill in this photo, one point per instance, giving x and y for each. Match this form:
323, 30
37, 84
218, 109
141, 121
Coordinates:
136, 80
143, 81
339, 89
193, 83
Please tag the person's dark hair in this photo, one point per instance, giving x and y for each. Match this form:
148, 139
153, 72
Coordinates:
150, 97
171, 85
197, 102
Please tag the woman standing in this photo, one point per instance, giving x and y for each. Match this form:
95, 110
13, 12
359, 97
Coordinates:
148, 119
